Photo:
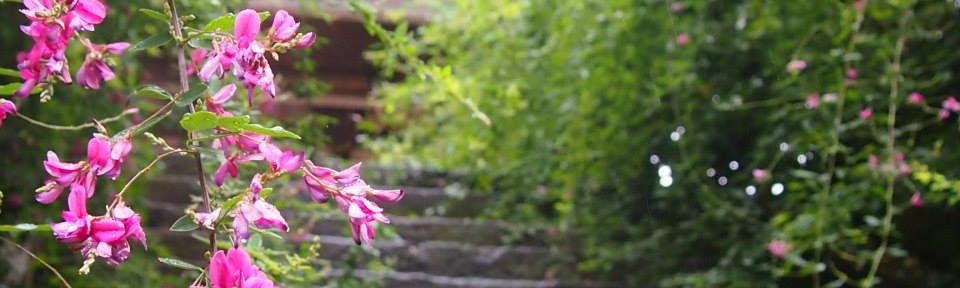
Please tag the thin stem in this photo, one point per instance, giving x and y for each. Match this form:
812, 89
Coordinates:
34, 256
91, 124
891, 145
119, 195
834, 148
184, 87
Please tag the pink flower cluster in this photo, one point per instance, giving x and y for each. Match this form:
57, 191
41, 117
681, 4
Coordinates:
949, 105
235, 269
780, 248
244, 54
104, 158
53, 23
899, 167
102, 236
6, 108
350, 192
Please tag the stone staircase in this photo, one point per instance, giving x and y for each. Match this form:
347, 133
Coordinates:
437, 243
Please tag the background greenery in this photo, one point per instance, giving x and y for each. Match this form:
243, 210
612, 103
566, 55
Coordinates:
588, 100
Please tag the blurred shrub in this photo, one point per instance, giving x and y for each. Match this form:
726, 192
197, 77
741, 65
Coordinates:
635, 127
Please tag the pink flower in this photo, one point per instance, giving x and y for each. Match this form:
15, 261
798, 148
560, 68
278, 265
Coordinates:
780, 248
943, 114
236, 269
676, 7
873, 161
813, 101
246, 27
284, 27
951, 104
915, 200
215, 103
760, 175
851, 73
362, 214
305, 40
796, 66
196, 60
866, 113
280, 161
6, 108
349, 192
915, 98
228, 166
76, 224
131, 223
207, 220
94, 70
256, 211
256, 184
830, 97
220, 60
683, 39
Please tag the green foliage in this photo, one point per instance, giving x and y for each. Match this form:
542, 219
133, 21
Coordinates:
587, 100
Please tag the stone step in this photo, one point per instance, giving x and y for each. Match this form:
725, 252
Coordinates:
421, 229
454, 259
424, 280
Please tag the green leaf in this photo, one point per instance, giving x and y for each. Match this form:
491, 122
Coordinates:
231, 203
233, 124
223, 23
191, 95
265, 232
153, 41
153, 91
276, 131
9, 72
153, 14
255, 242
266, 192
179, 264
201, 120
24, 227
184, 224
10, 88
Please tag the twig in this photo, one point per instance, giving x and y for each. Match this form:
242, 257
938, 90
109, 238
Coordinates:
184, 87
81, 126
117, 198
891, 142
35, 257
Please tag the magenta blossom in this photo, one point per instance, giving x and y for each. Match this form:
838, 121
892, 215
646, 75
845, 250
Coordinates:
245, 54
350, 192
951, 104
109, 235
280, 161
94, 70
683, 39
215, 103
866, 113
796, 66
363, 214
915, 200
780, 248
6, 108
236, 269
915, 98
812, 101
760, 175
852, 73
256, 211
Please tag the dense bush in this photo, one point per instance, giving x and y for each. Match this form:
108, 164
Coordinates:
655, 131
